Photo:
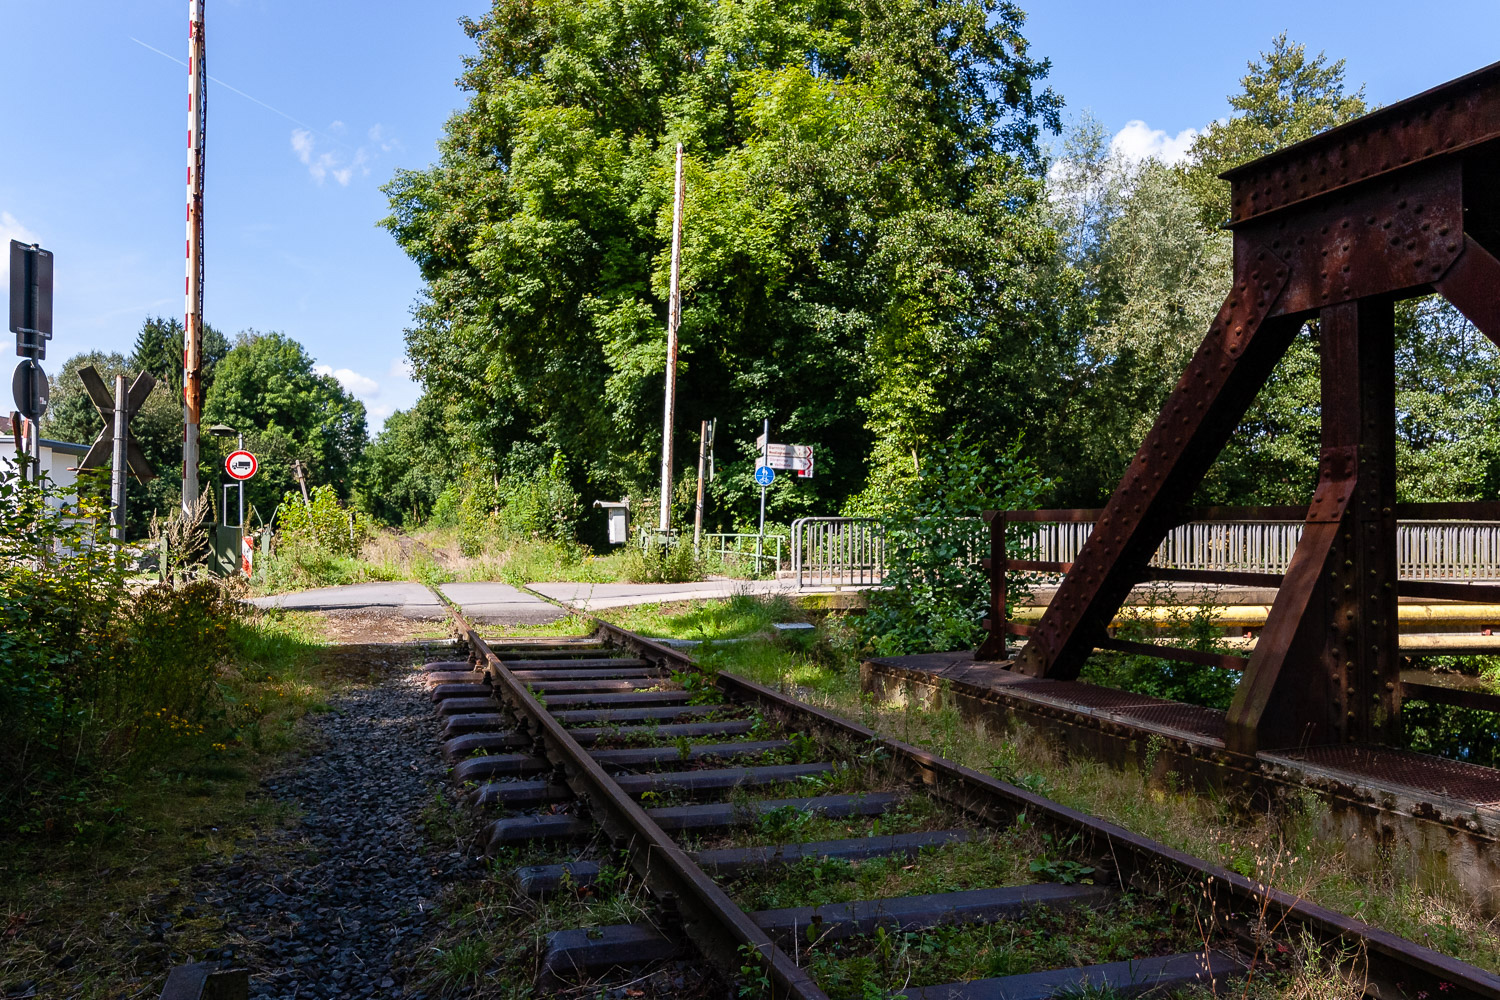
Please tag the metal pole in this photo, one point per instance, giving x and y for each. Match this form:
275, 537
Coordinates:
760, 538
117, 481
192, 323
302, 481
34, 445
242, 492
674, 318
698, 508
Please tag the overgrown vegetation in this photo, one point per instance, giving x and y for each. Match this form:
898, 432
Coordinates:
321, 523
1158, 613
135, 722
935, 591
104, 682
1288, 849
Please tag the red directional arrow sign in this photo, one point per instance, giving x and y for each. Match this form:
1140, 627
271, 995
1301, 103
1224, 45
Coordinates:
795, 457
240, 465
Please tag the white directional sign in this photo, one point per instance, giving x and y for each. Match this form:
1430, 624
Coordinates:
796, 457
241, 465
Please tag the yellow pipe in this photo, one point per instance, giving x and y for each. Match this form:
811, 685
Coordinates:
1254, 615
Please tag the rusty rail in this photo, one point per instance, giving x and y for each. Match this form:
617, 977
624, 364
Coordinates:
720, 929
1395, 967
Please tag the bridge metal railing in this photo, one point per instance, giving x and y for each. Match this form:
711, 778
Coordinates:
851, 551
1425, 550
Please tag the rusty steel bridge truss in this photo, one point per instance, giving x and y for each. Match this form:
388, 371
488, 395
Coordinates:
1400, 203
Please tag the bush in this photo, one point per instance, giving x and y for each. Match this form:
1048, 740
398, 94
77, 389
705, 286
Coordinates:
936, 592
657, 563
541, 505
1189, 623
95, 680
322, 523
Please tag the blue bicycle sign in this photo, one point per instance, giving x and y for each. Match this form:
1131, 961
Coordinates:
765, 475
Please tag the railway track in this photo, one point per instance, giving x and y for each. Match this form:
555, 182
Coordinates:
788, 852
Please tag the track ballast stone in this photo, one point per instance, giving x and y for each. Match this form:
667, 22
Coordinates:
346, 913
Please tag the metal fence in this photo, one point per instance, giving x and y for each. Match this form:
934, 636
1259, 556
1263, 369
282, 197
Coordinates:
850, 552
1425, 550
763, 555
838, 552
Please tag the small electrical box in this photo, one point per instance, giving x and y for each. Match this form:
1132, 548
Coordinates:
619, 520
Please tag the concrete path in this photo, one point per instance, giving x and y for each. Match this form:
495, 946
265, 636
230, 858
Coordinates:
500, 604
412, 600
592, 596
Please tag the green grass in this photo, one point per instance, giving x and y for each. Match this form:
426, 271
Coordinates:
1288, 851
96, 890
514, 927
990, 860
1128, 927
735, 617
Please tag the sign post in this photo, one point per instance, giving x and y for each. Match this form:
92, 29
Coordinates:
31, 321
115, 440
765, 476
241, 465
796, 458
705, 435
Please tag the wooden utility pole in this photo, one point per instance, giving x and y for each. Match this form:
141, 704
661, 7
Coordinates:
674, 318
698, 507
302, 479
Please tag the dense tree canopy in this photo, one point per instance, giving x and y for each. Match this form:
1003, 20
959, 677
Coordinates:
1153, 265
863, 252
265, 388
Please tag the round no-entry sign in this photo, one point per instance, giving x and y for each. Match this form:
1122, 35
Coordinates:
240, 465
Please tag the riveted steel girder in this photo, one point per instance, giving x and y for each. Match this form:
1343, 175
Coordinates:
1396, 204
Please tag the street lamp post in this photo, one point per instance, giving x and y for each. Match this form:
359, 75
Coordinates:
220, 430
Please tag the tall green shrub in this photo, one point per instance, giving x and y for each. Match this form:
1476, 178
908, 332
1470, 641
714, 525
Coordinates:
541, 505
936, 591
322, 522
96, 678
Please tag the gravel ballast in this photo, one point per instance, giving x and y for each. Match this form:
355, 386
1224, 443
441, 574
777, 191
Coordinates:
338, 905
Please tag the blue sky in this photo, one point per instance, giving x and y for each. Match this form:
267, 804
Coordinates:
342, 94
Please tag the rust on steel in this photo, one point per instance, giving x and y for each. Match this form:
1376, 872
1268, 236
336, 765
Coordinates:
1389, 959
721, 930
1338, 228
1393, 965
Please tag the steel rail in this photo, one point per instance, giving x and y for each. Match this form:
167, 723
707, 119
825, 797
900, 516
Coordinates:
1394, 966
722, 931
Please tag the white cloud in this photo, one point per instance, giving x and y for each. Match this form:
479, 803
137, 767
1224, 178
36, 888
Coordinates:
340, 166
395, 391
359, 385
11, 229
378, 137
1138, 141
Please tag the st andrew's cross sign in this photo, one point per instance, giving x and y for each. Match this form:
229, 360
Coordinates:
101, 450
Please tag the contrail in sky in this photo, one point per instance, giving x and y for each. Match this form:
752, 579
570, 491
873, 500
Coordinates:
246, 96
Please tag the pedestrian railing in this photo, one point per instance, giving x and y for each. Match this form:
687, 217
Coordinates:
838, 552
851, 551
763, 555
1425, 550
